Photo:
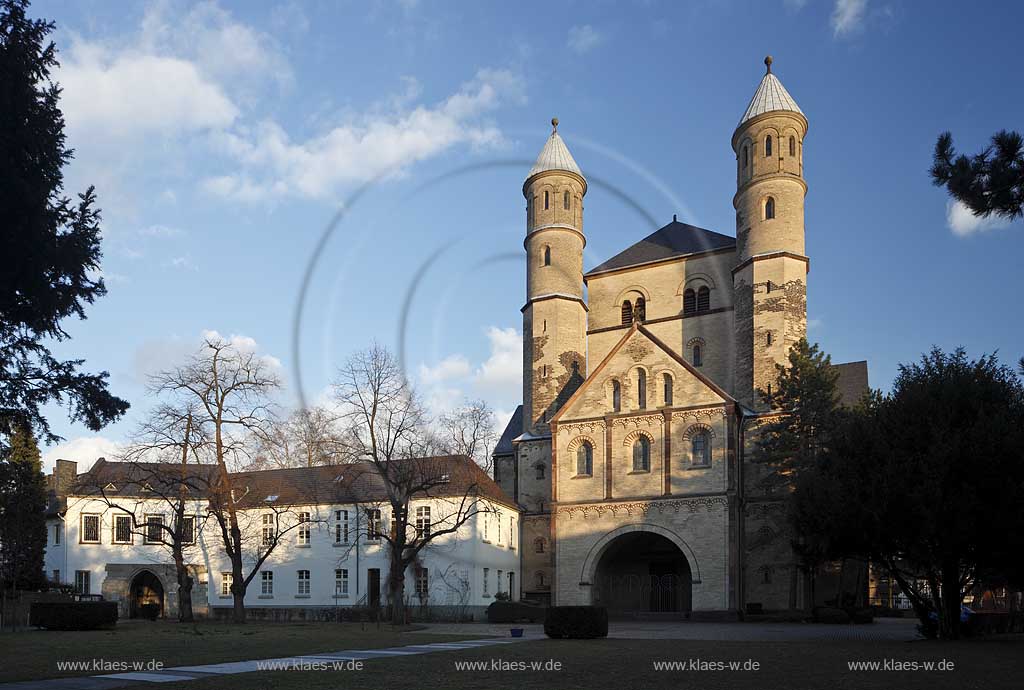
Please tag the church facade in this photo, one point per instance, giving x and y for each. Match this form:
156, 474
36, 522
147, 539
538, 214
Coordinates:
630, 455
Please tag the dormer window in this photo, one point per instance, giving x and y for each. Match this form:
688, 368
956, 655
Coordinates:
271, 498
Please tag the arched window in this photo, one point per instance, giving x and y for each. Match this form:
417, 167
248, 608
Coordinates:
700, 449
745, 157
641, 389
547, 256
641, 308
538, 544
585, 459
540, 471
565, 200
546, 202
616, 396
768, 146
769, 208
627, 313
668, 388
698, 356
703, 298
792, 146
538, 581
641, 455
689, 302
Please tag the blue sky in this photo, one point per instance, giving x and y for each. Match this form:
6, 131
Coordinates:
223, 137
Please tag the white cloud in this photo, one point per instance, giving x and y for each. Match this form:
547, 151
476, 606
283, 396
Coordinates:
159, 231
583, 39
161, 354
364, 147
848, 16
502, 374
795, 5
453, 366
84, 450
963, 222
183, 263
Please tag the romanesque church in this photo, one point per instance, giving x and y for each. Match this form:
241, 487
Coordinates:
642, 381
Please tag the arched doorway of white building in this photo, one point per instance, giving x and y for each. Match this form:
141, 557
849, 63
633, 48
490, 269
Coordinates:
146, 588
643, 572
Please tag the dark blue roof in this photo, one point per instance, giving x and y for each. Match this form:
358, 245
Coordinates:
675, 239
514, 429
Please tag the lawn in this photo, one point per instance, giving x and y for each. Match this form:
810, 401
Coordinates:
629, 664
35, 654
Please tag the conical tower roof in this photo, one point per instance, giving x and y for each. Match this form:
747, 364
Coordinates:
555, 155
770, 95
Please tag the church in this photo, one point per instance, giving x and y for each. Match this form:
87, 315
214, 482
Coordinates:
643, 383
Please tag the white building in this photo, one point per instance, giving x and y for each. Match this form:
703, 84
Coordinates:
324, 523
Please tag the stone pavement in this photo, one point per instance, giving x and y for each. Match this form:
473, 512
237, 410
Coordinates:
183, 673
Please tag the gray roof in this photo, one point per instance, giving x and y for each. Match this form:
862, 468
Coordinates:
770, 95
514, 428
672, 240
853, 382
554, 156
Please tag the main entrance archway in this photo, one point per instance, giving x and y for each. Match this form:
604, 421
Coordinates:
643, 572
146, 589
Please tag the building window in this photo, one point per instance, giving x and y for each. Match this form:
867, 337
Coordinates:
56, 576
302, 582
303, 538
498, 584
767, 146
745, 153
698, 356
187, 529
423, 583
703, 299
667, 380
423, 522
539, 581
792, 146
540, 470
627, 313
641, 389
487, 577
641, 455
267, 583
268, 530
700, 449
373, 524
154, 529
641, 309
91, 529
769, 208
82, 582
547, 256
546, 204
616, 396
122, 529
766, 576
689, 302
585, 459
56, 534
768, 287
225, 584
768, 339
341, 582
539, 545
341, 527
565, 200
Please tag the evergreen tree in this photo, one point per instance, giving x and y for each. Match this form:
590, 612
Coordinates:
50, 245
22, 513
988, 183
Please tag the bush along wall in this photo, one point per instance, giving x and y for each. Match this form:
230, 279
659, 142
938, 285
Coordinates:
73, 615
576, 622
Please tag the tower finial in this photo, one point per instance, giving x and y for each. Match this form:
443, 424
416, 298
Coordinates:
768, 63
554, 125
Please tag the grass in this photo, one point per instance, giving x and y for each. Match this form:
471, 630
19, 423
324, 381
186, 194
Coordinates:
627, 664
33, 655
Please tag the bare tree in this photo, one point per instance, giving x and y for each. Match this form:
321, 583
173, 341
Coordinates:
469, 430
387, 426
230, 390
306, 438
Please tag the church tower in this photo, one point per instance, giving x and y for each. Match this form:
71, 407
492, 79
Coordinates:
555, 314
770, 276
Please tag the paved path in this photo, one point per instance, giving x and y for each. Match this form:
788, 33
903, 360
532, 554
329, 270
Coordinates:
182, 673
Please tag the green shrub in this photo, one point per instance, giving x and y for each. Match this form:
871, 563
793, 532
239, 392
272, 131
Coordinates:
829, 614
514, 612
860, 616
150, 611
73, 615
576, 622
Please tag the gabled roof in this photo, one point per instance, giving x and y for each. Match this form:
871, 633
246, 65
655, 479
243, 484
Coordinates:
670, 241
770, 95
512, 430
554, 156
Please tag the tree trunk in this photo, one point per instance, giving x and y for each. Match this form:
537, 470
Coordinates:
237, 585
950, 627
396, 587
184, 587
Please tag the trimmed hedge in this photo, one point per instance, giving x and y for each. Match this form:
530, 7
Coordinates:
514, 612
576, 622
150, 611
72, 615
